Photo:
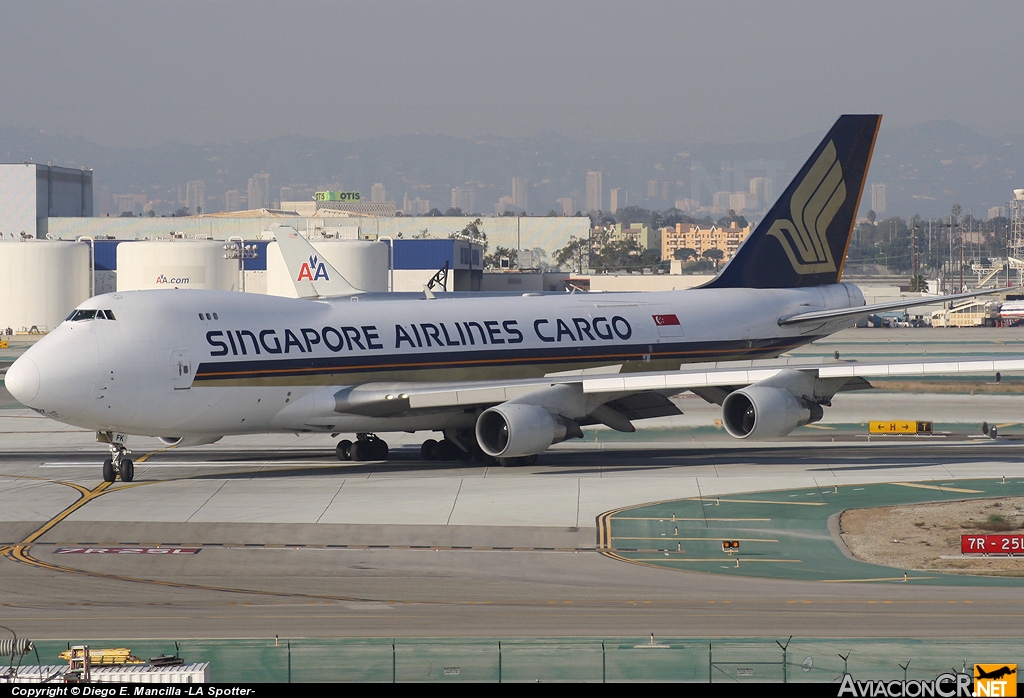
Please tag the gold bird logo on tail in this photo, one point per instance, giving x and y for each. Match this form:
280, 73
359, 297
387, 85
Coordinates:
813, 205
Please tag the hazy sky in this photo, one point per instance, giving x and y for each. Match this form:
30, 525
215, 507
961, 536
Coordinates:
137, 72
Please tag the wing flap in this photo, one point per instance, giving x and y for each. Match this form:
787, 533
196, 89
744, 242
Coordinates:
922, 368
644, 406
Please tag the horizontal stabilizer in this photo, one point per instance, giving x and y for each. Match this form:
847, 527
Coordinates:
821, 315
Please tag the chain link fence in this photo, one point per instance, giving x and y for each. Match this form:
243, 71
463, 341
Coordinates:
570, 659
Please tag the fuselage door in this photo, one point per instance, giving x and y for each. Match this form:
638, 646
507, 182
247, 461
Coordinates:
181, 369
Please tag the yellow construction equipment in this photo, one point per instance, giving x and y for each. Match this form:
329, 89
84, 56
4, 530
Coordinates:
107, 657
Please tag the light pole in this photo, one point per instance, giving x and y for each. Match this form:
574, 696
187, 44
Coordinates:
237, 249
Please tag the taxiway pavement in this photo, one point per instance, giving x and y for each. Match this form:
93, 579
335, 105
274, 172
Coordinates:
291, 542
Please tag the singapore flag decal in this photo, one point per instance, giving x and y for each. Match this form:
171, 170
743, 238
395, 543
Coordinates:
668, 325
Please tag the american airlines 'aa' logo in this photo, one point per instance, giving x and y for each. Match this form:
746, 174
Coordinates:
813, 205
313, 270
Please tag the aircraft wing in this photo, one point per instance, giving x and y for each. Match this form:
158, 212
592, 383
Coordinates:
638, 395
719, 377
819, 315
518, 418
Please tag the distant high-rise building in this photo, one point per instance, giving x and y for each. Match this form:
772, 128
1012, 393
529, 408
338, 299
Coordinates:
720, 202
652, 189
595, 193
568, 206
520, 196
738, 201
259, 191
232, 200
666, 191
463, 199
613, 200
415, 207
126, 203
763, 190
503, 206
996, 212
195, 197
378, 193
878, 198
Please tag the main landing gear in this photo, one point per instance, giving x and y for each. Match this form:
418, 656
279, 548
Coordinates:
366, 447
443, 450
118, 464
463, 446
454, 447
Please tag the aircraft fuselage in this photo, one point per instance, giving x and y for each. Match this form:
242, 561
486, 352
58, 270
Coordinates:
188, 362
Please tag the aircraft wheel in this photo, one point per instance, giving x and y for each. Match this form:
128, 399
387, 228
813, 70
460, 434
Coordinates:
343, 450
446, 450
127, 470
369, 450
428, 450
108, 470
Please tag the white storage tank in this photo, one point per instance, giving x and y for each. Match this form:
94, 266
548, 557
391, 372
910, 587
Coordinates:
41, 281
363, 263
156, 264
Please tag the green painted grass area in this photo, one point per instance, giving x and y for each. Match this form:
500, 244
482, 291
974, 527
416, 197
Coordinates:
784, 534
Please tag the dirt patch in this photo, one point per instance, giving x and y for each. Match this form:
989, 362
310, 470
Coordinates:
927, 536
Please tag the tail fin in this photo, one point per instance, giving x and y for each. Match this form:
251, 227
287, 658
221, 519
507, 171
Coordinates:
313, 275
803, 239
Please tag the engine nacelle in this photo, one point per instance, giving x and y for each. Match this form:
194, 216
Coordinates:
512, 430
760, 412
189, 440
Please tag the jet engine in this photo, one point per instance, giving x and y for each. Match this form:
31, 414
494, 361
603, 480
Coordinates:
761, 412
190, 440
511, 430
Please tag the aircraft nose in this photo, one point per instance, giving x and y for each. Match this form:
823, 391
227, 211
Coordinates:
22, 380
56, 376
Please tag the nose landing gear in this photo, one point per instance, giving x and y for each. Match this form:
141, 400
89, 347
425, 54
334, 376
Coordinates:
118, 463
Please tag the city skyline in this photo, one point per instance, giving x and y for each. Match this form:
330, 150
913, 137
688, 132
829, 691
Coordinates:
925, 171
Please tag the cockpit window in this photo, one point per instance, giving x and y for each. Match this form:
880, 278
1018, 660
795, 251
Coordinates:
90, 314
83, 314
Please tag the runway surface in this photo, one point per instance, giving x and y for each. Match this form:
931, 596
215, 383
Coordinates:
258, 536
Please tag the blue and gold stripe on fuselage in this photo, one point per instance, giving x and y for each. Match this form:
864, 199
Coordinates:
477, 365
